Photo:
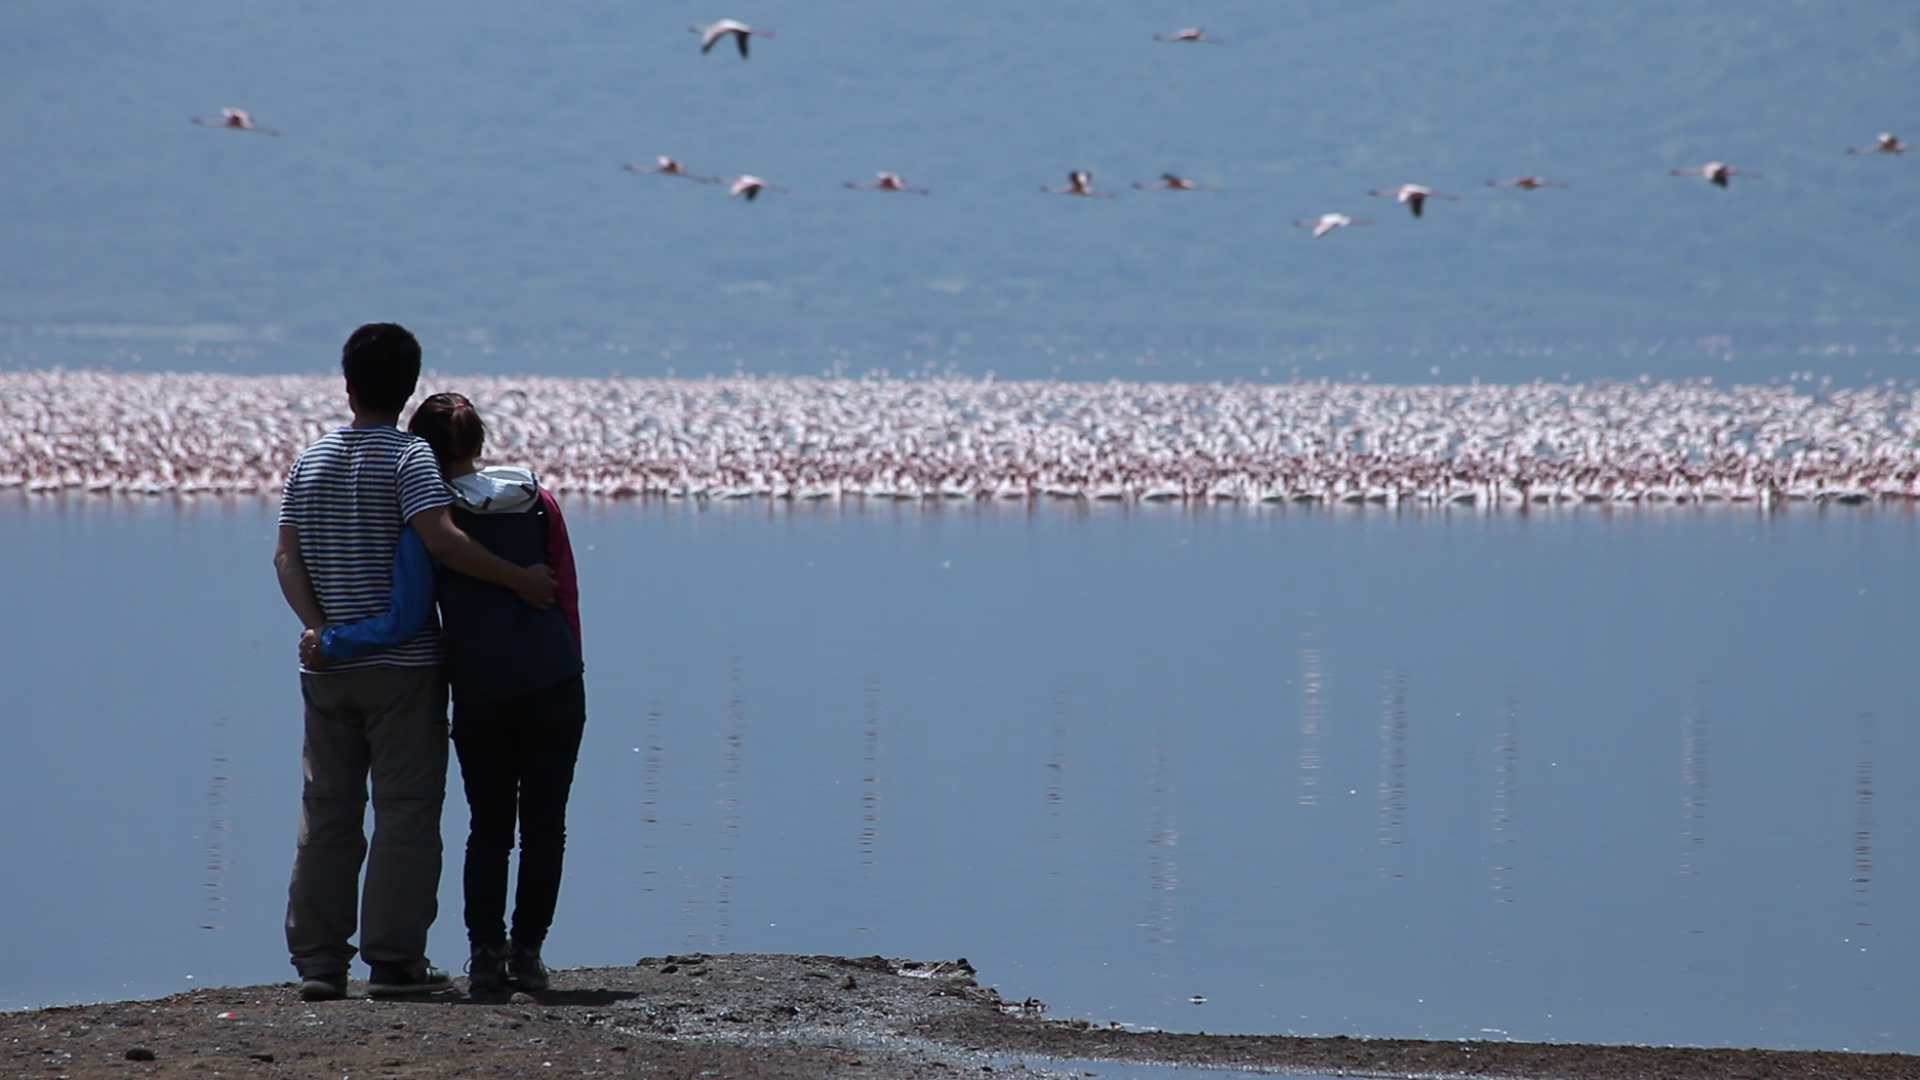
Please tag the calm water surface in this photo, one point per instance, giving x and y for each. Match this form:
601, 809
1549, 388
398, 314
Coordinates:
1642, 776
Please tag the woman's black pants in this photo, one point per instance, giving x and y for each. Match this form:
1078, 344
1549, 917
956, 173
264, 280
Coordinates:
516, 761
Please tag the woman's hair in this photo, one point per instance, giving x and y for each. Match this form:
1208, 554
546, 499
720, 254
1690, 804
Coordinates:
451, 425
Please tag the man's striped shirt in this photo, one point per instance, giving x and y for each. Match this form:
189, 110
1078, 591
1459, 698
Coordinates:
349, 495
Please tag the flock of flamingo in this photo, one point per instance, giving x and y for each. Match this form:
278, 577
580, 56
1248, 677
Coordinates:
805, 438
820, 438
1080, 181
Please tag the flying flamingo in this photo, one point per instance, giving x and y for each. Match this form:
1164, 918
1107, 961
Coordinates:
671, 167
1326, 223
888, 181
1170, 182
1716, 172
1191, 33
1079, 182
1884, 143
1415, 196
237, 119
710, 35
1527, 182
751, 186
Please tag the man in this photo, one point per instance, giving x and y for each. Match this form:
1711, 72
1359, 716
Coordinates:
347, 499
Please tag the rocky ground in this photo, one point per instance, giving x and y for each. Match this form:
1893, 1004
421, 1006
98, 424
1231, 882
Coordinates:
764, 1016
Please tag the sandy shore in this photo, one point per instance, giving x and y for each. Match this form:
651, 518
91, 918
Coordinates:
764, 1016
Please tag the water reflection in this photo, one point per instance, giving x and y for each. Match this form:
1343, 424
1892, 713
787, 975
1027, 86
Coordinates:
1393, 772
653, 762
219, 826
710, 899
870, 778
1693, 787
1863, 825
1312, 722
732, 742
1056, 785
1505, 758
1163, 835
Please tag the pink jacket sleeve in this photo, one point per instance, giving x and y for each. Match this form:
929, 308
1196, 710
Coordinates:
560, 556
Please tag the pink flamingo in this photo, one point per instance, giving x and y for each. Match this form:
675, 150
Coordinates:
1326, 223
1716, 172
1170, 182
751, 186
710, 35
237, 119
1884, 143
671, 167
888, 181
1191, 33
1079, 182
1413, 196
1527, 182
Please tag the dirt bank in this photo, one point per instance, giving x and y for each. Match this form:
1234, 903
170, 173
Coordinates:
761, 1016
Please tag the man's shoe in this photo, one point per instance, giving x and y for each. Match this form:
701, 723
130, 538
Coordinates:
323, 987
525, 970
487, 969
392, 980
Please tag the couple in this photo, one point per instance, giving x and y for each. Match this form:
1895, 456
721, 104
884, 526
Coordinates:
376, 525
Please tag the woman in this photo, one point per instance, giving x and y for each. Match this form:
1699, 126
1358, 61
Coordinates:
519, 699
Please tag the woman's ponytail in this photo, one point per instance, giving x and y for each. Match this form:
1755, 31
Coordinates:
451, 425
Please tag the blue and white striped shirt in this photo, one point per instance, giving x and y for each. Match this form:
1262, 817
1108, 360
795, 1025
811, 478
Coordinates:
349, 495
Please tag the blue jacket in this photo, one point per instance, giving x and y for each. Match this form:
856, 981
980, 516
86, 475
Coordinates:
408, 606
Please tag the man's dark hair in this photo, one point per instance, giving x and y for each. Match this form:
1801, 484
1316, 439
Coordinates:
382, 364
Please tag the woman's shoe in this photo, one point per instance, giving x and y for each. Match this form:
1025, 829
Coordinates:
487, 969
525, 970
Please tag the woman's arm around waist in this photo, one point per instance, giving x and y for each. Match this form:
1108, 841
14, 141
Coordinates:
407, 607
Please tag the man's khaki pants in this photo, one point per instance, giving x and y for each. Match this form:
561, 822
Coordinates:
389, 723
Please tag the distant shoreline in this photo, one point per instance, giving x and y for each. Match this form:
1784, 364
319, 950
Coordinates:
774, 1016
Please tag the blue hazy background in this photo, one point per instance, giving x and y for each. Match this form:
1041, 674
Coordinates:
457, 167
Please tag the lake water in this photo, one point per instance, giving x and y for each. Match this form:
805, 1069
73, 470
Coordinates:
1643, 776
457, 166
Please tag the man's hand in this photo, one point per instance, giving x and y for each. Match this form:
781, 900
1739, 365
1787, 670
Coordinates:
448, 543
537, 587
311, 657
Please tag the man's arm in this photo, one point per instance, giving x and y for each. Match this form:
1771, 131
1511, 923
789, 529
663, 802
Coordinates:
295, 585
463, 554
